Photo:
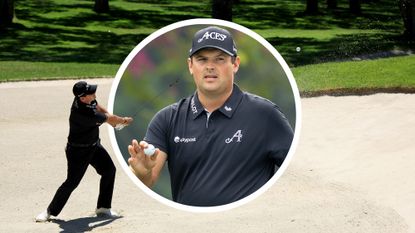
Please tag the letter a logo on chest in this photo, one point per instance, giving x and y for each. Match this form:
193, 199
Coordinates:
238, 135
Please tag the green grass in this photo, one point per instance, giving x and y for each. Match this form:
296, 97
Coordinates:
21, 70
356, 77
388, 74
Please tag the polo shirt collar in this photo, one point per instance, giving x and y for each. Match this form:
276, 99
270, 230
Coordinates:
227, 109
231, 104
195, 106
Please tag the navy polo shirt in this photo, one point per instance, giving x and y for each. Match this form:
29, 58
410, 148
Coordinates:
84, 122
222, 158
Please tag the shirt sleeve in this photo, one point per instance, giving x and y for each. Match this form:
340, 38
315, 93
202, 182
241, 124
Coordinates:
157, 131
100, 117
281, 134
88, 120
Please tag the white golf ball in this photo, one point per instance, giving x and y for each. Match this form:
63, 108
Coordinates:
149, 150
298, 49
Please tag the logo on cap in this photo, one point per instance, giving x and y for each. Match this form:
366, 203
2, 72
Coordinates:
213, 36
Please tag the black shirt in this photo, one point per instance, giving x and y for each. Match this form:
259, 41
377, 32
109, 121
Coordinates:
84, 122
223, 158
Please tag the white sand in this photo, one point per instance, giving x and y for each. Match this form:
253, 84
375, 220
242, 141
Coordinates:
353, 171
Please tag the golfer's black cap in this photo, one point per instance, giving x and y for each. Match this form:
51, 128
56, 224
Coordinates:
82, 88
213, 37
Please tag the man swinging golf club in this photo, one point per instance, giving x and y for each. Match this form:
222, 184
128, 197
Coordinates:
84, 148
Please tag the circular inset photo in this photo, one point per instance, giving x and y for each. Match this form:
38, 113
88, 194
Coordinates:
216, 111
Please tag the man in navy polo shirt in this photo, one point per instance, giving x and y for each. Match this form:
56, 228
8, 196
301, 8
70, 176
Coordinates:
221, 144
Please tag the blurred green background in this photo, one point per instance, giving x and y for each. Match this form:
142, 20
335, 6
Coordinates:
158, 76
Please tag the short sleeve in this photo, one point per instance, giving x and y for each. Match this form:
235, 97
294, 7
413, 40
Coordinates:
281, 135
100, 117
157, 131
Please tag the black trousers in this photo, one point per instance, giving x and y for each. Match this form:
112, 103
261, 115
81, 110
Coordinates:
78, 160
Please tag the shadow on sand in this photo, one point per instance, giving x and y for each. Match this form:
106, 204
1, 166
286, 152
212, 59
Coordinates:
84, 224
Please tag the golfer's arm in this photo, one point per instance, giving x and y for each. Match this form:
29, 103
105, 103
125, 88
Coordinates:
112, 119
101, 109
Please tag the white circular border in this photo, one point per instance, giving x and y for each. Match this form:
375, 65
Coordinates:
287, 71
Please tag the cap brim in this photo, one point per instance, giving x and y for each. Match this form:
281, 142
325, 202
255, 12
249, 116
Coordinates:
211, 46
92, 89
